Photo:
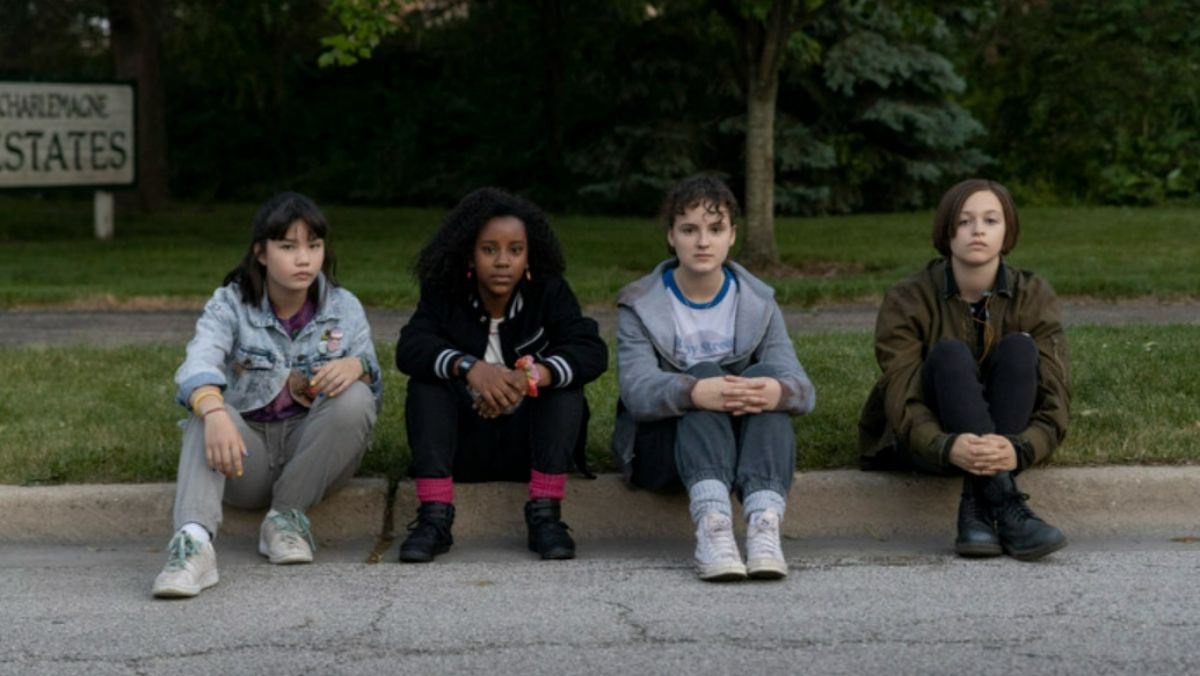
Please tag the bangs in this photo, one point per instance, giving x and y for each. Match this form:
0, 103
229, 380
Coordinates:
277, 216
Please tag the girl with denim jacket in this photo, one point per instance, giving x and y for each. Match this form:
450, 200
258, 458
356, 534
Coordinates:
709, 381
497, 355
283, 386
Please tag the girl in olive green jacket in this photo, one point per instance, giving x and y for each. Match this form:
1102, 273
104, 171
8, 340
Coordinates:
975, 374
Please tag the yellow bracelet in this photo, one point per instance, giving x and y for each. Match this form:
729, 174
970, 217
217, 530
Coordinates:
202, 397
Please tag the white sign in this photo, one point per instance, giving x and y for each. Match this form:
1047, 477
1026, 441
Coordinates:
57, 135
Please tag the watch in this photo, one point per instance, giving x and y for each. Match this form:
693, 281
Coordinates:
464, 365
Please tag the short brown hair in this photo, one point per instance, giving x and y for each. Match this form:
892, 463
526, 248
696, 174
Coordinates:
945, 221
690, 192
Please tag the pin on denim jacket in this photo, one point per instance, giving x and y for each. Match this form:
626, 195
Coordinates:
247, 353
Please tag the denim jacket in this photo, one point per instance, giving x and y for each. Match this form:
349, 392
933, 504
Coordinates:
246, 352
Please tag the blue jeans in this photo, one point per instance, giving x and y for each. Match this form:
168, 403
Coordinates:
747, 453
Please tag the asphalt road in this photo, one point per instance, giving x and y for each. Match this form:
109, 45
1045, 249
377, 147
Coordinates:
849, 606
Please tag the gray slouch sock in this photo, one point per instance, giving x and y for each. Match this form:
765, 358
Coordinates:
763, 500
709, 495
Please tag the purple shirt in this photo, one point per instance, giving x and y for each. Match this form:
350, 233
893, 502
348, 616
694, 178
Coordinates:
283, 406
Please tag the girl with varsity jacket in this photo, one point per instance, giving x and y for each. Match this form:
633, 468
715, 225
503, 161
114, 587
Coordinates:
498, 353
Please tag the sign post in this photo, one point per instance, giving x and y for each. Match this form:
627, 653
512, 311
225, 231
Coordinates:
59, 135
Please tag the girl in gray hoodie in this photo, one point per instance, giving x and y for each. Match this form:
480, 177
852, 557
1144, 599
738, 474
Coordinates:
708, 381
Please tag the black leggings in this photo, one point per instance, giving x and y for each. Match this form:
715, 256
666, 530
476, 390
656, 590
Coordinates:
997, 398
448, 438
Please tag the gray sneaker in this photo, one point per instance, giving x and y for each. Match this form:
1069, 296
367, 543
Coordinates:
286, 538
717, 556
191, 568
764, 555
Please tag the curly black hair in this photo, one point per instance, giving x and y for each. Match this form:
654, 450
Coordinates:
443, 261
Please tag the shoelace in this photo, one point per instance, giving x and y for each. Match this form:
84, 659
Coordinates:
1016, 505
721, 539
978, 508
293, 524
764, 535
418, 525
181, 547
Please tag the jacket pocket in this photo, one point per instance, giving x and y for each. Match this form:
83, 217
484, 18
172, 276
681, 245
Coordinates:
252, 359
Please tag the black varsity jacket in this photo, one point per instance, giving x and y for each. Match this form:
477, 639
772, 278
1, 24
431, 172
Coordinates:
542, 319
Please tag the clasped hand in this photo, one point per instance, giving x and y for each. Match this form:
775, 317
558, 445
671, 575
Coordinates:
737, 395
499, 388
983, 455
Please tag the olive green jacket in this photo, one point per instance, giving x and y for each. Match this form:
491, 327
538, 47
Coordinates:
916, 313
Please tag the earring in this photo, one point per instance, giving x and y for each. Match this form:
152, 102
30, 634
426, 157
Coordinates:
528, 275
470, 273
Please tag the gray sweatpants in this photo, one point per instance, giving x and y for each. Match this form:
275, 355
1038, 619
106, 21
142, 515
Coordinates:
292, 463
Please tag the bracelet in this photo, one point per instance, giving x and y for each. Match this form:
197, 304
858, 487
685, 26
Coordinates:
214, 409
202, 397
526, 364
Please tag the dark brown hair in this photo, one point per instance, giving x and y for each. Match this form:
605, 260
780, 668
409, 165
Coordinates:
272, 221
694, 191
945, 221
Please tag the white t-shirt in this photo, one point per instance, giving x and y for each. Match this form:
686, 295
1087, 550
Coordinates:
492, 354
703, 331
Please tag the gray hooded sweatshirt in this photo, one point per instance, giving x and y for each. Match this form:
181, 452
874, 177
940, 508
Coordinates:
653, 384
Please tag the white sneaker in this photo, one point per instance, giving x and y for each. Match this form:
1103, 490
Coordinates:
286, 538
717, 556
764, 555
191, 568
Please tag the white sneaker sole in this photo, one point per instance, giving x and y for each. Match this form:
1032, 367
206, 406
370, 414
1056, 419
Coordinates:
177, 591
722, 572
285, 560
767, 569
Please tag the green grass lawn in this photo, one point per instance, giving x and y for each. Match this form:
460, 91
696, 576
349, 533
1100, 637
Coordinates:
48, 255
96, 415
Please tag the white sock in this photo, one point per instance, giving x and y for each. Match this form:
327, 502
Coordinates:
270, 513
199, 533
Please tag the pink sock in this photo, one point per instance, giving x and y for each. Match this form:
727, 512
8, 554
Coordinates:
435, 490
546, 485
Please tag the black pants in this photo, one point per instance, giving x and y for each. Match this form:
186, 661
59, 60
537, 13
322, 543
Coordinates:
996, 397
448, 438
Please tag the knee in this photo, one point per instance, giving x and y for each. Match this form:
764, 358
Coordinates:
560, 402
355, 406
1016, 350
951, 357
761, 370
705, 369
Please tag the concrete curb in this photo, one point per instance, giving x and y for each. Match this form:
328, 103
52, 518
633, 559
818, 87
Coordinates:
1088, 502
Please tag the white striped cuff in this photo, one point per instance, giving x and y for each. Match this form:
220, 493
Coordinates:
445, 359
563, 375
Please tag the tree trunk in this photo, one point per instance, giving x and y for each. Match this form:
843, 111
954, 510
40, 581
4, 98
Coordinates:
764, 46
758, 249
137, 55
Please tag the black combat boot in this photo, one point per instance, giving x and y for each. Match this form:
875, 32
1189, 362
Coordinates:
428, 534
976, 529
547, 533
1023, 535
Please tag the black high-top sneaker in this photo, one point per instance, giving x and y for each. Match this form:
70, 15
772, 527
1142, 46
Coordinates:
547, 533
428, 534
1023, 535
